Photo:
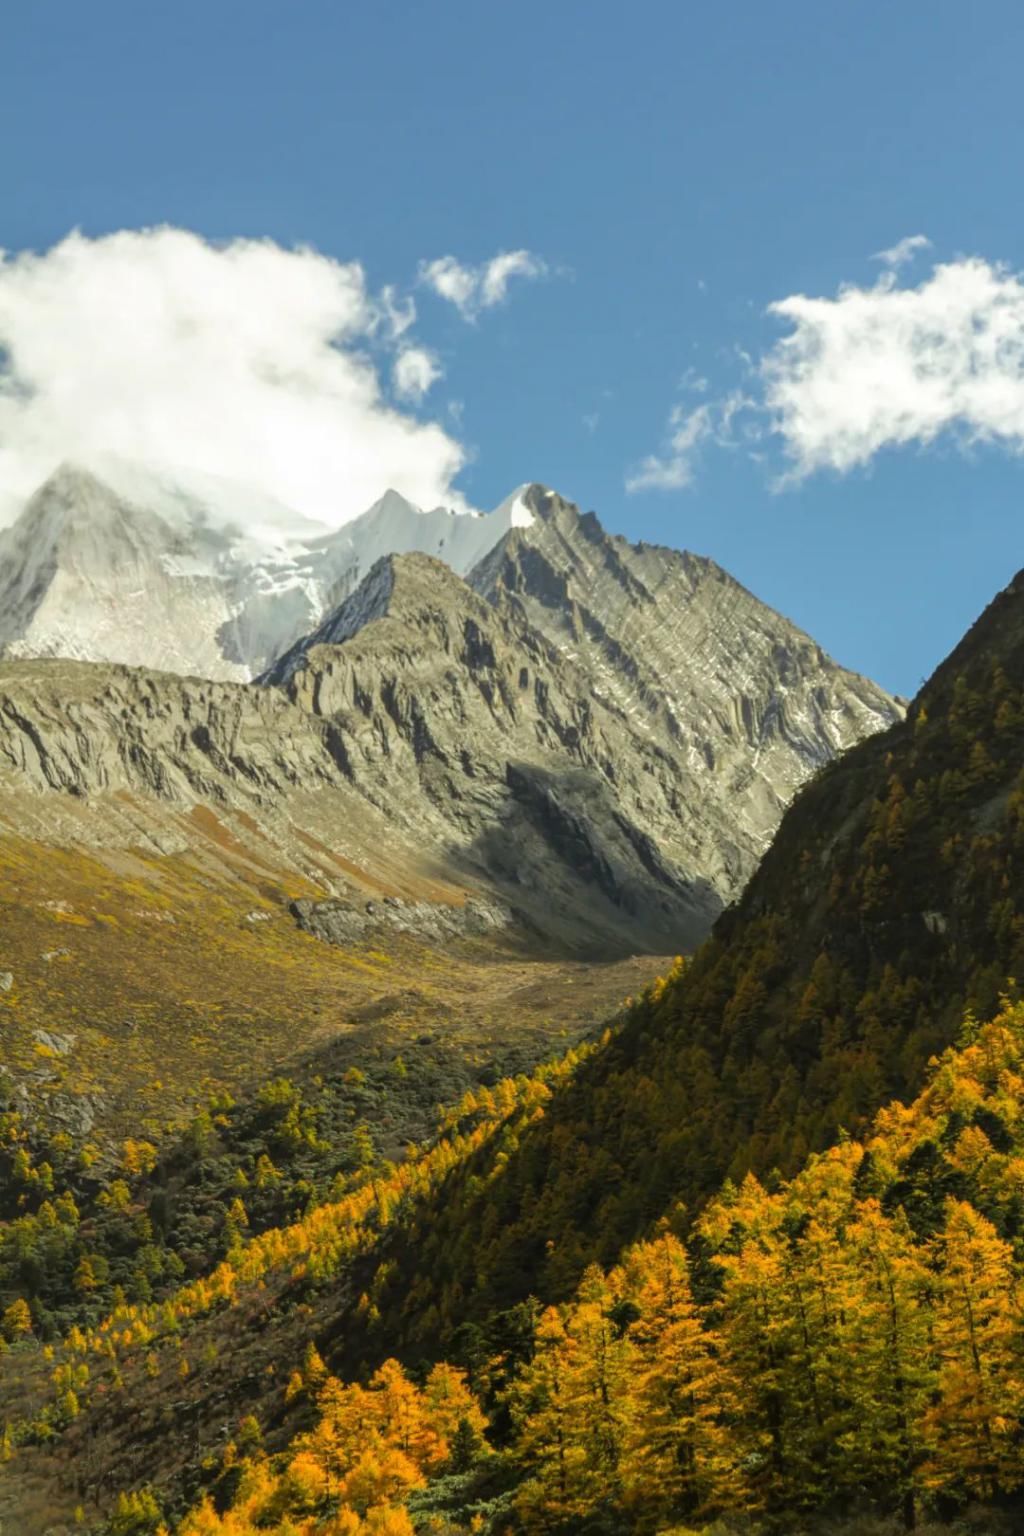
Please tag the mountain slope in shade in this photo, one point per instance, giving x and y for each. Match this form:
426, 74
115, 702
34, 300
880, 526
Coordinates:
478, 735
695, 710
749, 703
891, 901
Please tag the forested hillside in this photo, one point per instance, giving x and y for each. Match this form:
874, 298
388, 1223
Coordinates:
693, 1271
848, 1339
891, 901
843, 1344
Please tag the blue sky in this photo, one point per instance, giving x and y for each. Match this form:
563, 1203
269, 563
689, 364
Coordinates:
676, 169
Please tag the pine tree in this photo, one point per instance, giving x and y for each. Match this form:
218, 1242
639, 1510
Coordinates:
973, 1431
888, 1343
452, 1411
684, 1446
17, 1320
549, 1447
743, 1229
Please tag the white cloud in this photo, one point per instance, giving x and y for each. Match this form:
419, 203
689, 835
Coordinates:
413, 372
730, 421
472, 289
883, 366
245, 361
399, 310
694, 382
452, 281
500, 269
903, 251
673, 470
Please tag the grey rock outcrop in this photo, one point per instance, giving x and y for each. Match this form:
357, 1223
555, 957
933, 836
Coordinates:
52, 1040
349, 922
84, 730
454, 714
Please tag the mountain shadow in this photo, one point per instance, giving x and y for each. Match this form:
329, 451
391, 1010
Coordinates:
891, 901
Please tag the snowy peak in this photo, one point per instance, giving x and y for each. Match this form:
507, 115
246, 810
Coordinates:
120, 562
74, 512
128, 566
394, 525
521, 509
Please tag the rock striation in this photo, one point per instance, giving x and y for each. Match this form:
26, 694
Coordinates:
457, 717
745, 703
599, 736
582, 712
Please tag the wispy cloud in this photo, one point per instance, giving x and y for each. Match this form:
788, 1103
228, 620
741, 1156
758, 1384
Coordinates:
472, 289
695, 382
673, 468
413, 372
904, 250
729, 421
243, 360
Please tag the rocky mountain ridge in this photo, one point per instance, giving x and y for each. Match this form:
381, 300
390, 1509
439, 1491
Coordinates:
696, 708
751, 702
603, 736
479, 733
117, 563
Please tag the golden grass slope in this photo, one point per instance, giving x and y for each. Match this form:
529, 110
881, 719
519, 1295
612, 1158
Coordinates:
164, 979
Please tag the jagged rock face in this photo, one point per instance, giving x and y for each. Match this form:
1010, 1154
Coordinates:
117, 758
90, 730
114, 756
631, 709
602, 735
747, 704
200, 577
462, 720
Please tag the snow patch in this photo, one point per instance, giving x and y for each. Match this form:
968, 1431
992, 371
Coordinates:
145, 565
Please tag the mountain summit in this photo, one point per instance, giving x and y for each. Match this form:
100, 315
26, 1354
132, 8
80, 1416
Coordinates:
195, 575
745, 703
126, 567
581, 709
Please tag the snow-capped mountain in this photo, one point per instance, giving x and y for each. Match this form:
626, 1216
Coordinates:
196, 575
393, 526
